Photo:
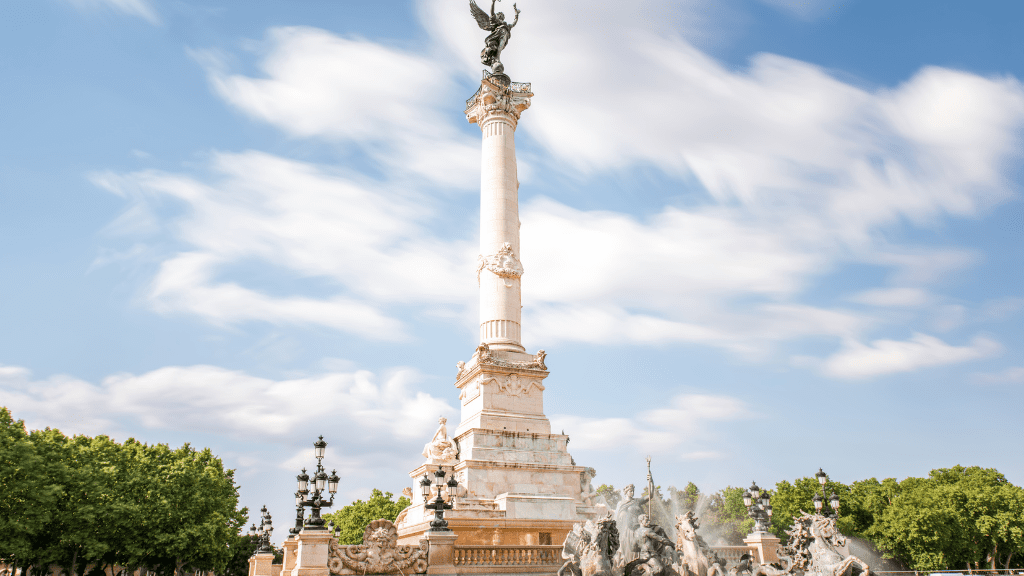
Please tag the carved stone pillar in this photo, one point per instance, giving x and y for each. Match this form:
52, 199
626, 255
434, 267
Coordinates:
767, 546
259, 563
312, 553
441, 552
290, 547
496, 108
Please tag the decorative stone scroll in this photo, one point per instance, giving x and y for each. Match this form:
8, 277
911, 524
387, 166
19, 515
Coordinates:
380, 554
484, 356
504, 264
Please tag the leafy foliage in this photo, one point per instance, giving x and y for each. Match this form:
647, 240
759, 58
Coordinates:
163, 509
353, 519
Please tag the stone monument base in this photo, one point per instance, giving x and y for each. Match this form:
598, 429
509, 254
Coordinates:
495, 531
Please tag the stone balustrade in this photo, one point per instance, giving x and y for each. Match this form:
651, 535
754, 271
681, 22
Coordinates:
731, 554
507, 559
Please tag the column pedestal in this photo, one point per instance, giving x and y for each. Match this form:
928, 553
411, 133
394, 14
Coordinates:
259, 563
767, 546
313, 550
290, 547
440, 552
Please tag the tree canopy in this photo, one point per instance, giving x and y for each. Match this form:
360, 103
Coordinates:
353, 519
160, 508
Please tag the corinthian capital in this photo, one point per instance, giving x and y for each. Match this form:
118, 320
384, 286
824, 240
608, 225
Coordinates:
498, 96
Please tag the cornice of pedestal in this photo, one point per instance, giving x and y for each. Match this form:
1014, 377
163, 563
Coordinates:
492, 362
498, 97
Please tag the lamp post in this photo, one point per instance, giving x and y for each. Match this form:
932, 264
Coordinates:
300, 513
444, 496
263, 532
321, 483
759, 507
819, 499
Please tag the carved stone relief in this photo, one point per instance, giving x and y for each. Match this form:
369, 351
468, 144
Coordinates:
380, 554
503, 264
515, 385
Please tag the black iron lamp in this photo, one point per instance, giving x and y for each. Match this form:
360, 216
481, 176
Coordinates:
300, 513
444, 496
264, 532
819, 498
758, 504
321, 483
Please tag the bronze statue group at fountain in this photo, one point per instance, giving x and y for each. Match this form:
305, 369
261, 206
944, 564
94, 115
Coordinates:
628, 543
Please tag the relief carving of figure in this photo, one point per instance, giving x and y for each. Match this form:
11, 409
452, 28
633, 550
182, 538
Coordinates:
500, 32
379, 553
440, 450
627, 517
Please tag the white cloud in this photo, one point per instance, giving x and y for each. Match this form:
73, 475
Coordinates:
1011, 375
804, 173
896, 297
211, 399
858, 360
684, 422
141, 8
393, 103
369, 241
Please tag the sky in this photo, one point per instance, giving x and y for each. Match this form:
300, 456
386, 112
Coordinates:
760, 236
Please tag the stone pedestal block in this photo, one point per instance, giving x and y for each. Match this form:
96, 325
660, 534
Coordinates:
766, 544
291, 548
313, 551
259, 564
440, 552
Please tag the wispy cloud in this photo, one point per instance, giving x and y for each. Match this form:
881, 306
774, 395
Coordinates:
1011, 375
682, 422
803, 174
140, 8
858, 360
211, 399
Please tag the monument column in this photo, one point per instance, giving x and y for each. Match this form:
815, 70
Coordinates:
495, 108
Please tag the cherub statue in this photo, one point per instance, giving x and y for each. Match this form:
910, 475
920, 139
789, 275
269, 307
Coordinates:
500, 32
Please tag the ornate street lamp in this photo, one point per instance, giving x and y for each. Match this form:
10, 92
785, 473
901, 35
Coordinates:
759, 507
819, 499
300, 513
444, 496
321, 483
263, 533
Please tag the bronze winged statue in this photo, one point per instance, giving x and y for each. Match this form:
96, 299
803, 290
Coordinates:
500, 32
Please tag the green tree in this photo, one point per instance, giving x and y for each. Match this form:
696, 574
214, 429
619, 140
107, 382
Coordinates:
957, 517
353, 519
789, 500
723, 517
162, 509
28, 495
610, 494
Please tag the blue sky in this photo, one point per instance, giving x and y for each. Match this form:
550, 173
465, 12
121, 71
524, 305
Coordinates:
759, 237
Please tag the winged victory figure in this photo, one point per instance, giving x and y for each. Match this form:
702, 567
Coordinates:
500, 32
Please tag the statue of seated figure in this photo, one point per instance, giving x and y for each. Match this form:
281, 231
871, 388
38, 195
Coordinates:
440, 450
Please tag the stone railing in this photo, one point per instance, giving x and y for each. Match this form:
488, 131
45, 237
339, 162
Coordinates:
507, 559
731, 554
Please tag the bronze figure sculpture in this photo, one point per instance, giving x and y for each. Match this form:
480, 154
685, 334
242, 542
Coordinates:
500, 32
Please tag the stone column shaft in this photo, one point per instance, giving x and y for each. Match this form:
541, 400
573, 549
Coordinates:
496, 108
